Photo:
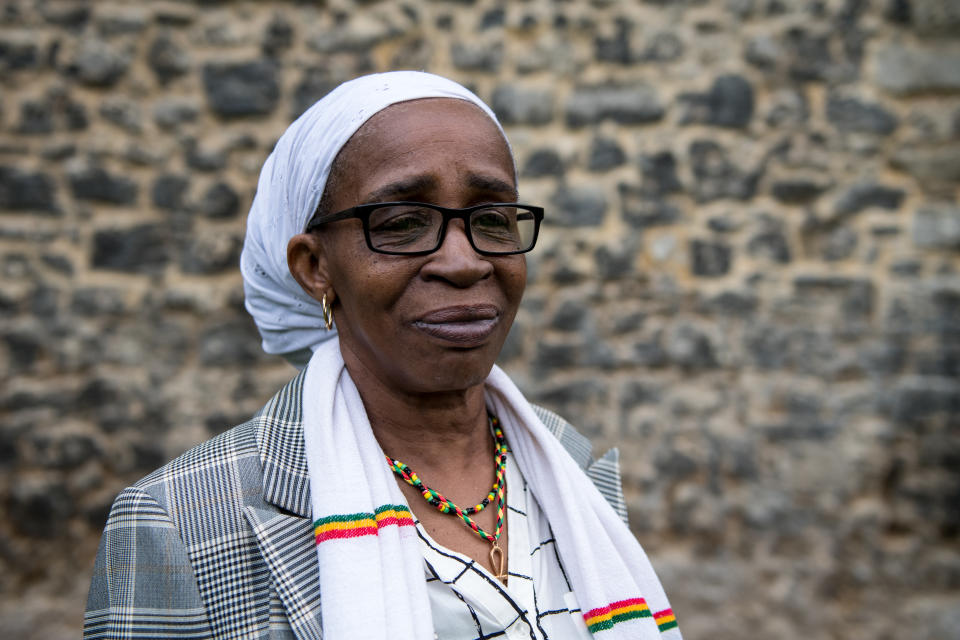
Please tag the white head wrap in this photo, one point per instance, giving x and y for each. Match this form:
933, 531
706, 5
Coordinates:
288, 192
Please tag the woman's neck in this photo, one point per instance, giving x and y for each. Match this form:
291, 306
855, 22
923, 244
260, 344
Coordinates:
443, 431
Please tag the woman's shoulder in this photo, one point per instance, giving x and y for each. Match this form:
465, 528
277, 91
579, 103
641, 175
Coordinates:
278, 418
576, 444
604, 472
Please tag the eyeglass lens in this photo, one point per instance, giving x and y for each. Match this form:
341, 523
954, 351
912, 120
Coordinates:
411, 228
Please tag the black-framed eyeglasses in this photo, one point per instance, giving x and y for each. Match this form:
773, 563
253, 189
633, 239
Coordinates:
418, 228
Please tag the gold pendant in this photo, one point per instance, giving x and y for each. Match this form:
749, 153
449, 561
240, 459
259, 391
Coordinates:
499, 561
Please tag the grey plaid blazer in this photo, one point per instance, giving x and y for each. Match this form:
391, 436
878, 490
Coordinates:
219, 542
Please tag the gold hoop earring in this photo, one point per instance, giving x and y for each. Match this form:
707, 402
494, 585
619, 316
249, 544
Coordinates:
327, 313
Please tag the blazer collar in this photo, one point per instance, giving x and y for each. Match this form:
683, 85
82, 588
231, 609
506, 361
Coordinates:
286, 482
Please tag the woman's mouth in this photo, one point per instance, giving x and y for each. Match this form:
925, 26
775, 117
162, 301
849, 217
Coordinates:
467, 326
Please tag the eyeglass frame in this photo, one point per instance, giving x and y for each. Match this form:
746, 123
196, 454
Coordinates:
362, 213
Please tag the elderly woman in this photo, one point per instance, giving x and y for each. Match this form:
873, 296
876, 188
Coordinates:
400, 486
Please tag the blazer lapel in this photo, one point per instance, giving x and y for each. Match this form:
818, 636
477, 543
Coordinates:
287, 544
283, 527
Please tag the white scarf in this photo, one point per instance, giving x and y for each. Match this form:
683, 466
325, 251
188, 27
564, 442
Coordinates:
371, 568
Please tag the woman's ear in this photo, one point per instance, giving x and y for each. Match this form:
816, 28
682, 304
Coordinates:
307, 261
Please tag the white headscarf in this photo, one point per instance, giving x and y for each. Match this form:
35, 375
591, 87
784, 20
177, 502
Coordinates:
291, 183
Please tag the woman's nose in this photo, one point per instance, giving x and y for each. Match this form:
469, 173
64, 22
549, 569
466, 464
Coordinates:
456, 261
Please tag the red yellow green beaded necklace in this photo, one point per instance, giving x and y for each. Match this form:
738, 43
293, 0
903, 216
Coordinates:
437, 499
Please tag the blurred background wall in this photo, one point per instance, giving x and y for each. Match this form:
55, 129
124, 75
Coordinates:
748, 277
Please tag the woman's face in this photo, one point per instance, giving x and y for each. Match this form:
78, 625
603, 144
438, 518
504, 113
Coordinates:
434, 323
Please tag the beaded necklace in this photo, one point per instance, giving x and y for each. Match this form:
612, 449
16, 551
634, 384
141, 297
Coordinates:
444, 505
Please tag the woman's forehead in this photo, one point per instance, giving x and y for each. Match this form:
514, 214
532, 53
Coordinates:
391, 120
419, 137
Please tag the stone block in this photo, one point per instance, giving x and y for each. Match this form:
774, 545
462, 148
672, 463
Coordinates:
169, 190
859, 116
219, 201
477, 57
17, 54
211, 253
866, 195
139, 249
59, 263
808, 54
95, 184
763, 51
650, 353
167, 59
24, 348
883, 358
716, 177
605, 154
238, 89
35, 505
917, 399
36, 117
570, 394
944, 361
315, 83
839, 244
570, 316
635, 393
577, 207
937, 226
123, 23
788, 107
616, 48
636, 104
613, 264
710, 259
543, 162
770, 244
66, 451
664, 46
98, 301
98, 64
659, 171
123, 113
173, 112
230, 343
932, 166
690, 348
203, 158
797, 190
641, 212
728, 103
358, 35
45, 302
277, 36
934, 17
27, 191
903, 69
522, 106
75, 116
72, 16
857, 295
731, 303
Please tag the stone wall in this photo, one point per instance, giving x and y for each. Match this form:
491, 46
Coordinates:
748, 275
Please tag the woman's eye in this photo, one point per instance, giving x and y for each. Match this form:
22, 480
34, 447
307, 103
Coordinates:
491, 220
399, 223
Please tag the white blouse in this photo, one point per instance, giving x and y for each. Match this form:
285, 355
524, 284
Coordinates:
466, 601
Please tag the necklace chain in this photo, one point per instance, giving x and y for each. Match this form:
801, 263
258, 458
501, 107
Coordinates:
444, 505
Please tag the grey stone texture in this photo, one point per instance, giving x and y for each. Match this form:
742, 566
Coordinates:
748, 278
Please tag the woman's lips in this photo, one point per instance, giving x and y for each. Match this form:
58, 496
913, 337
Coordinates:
468, 326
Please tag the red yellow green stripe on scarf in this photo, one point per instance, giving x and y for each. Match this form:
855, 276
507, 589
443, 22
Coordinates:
354, 525
603, 618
